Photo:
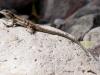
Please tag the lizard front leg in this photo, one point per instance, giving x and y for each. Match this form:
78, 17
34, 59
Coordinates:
30, 29
10, 25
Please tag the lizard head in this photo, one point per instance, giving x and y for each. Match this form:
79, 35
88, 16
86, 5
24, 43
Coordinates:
7, 13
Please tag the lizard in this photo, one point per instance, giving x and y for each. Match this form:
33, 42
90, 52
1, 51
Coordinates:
32, 26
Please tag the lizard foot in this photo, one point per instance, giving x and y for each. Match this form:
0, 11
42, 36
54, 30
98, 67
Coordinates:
7, 25
10, 23
30, 30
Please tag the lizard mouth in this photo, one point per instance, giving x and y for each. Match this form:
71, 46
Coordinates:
1, 12
6, 13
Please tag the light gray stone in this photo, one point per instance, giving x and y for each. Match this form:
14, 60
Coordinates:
93, 35
95, 50
42, 54
82, 26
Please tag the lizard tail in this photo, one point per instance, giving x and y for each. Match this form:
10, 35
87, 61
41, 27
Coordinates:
65, 35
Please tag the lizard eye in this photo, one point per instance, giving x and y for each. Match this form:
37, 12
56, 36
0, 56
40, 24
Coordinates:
5, 11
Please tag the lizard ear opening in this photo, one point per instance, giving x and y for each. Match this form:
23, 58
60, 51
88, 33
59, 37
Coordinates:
12, 15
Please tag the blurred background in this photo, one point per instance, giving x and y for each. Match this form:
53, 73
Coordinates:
45, 11
80, 18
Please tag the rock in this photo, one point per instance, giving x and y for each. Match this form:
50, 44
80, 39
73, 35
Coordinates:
42, 21
94, 50
53, 9
69, 24
83, 25
86, 10
95, 3
91, 8
58, 21
65, 27
93, 35
42, 54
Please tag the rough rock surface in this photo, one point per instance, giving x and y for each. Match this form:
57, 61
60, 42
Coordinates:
95, 50
42, 54
93, 35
